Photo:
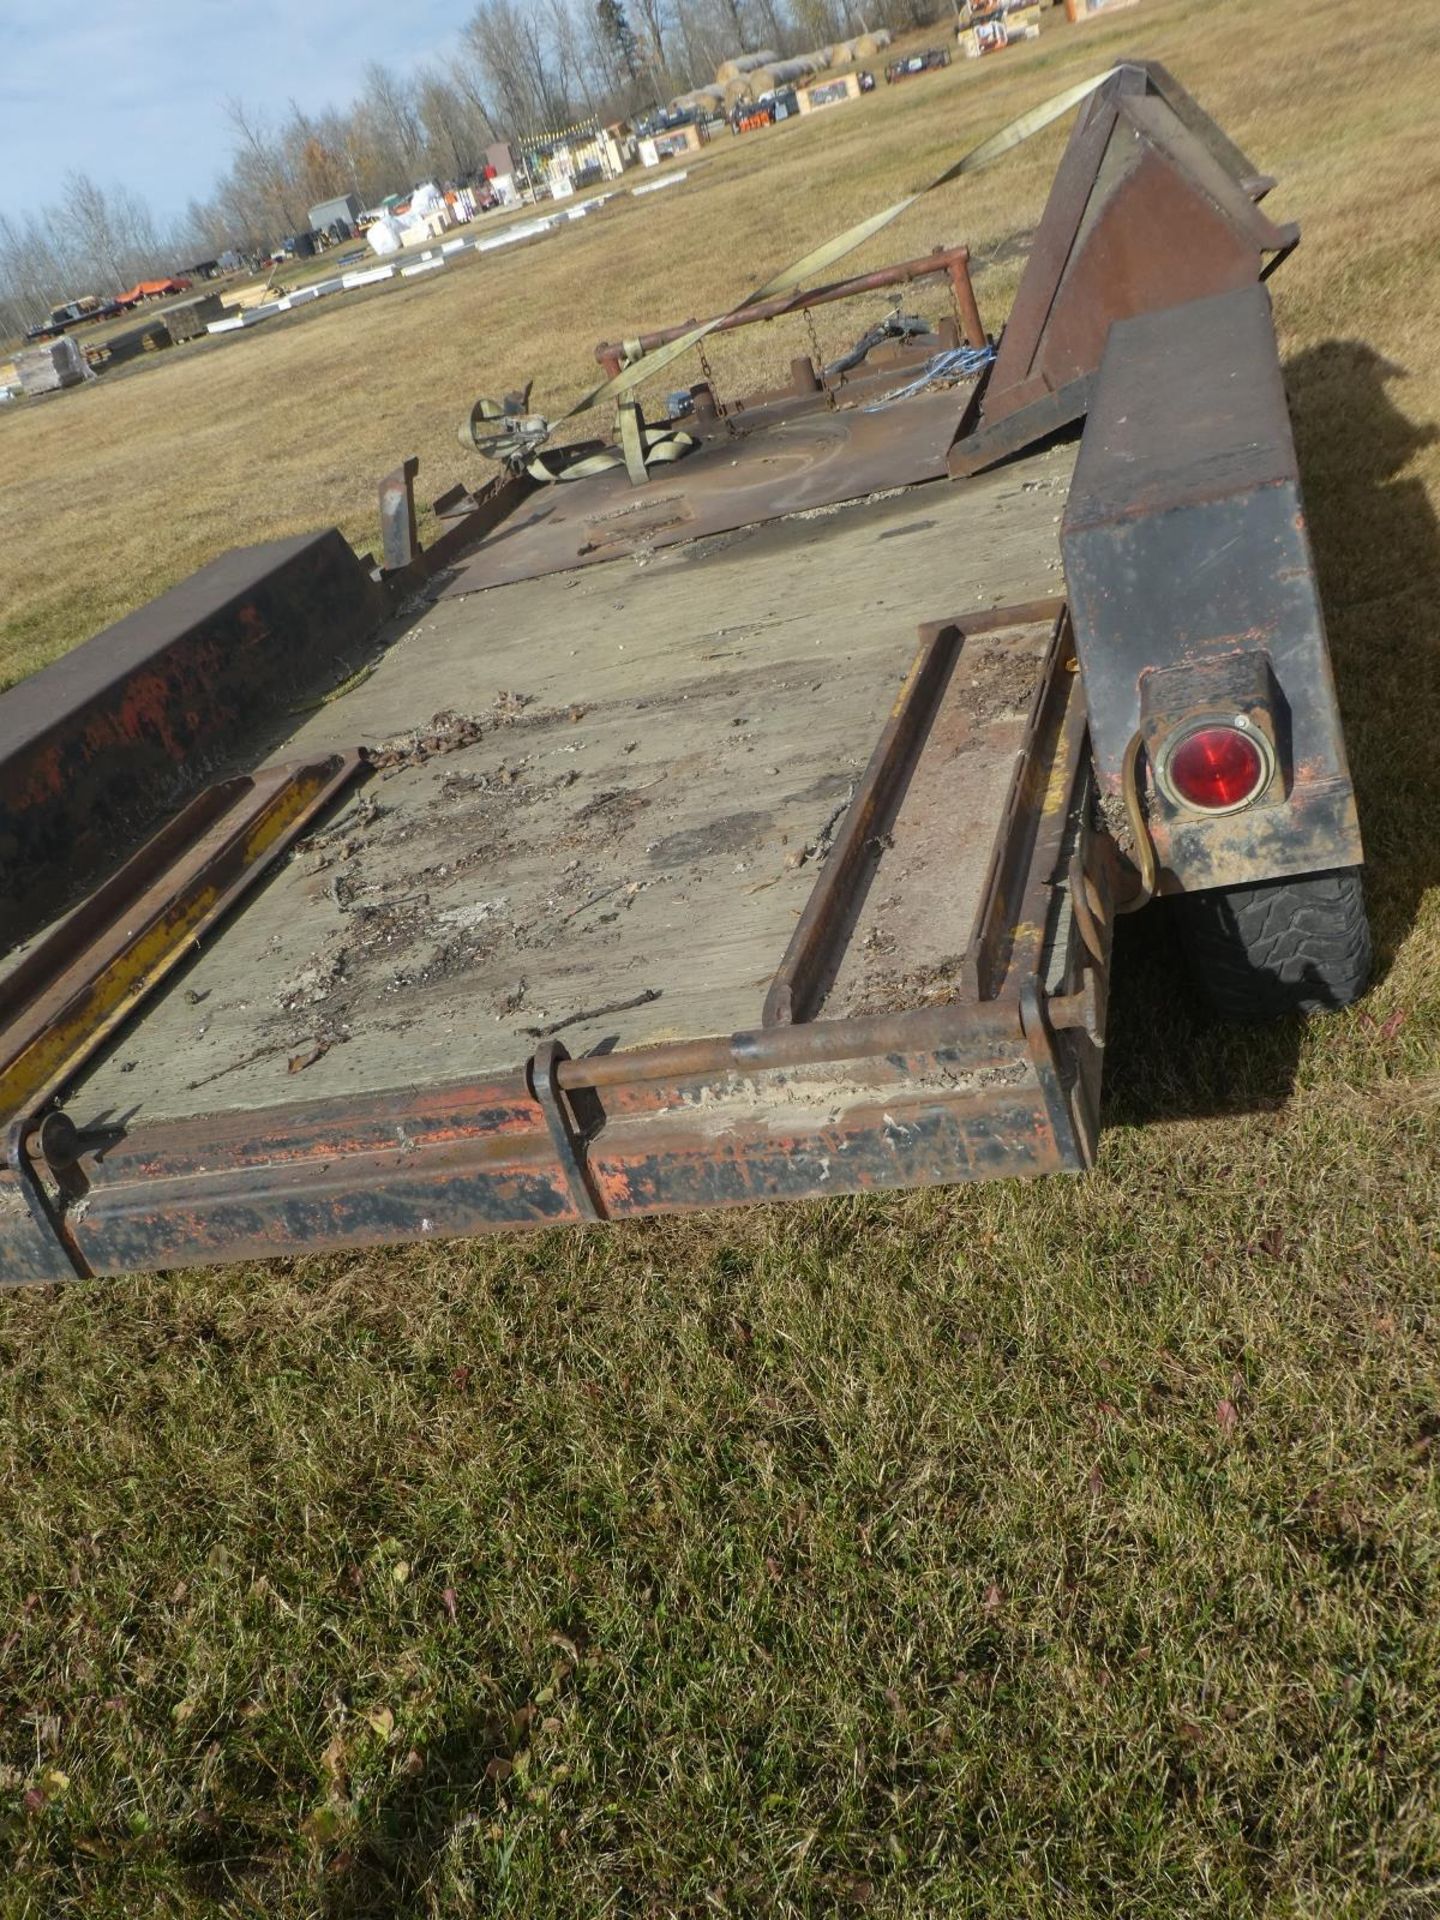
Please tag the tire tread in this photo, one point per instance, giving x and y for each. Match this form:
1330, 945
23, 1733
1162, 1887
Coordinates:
1281, 946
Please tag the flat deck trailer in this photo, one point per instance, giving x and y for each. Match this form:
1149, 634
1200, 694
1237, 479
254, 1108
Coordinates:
745, 827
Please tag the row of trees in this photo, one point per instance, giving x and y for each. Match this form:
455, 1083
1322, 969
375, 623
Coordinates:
519, 67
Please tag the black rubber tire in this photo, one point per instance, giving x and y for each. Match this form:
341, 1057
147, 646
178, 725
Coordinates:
1278, 947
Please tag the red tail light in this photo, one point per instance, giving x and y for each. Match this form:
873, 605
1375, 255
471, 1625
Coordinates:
1216, 768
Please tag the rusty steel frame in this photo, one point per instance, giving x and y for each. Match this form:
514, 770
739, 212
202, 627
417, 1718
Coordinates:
949, 263
1002, 1080
1152, 205
789, 1110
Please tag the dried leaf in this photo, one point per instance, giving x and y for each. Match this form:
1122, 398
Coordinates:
1392, 1026
333, 1759
447, 1600
992, 1598
383, 1721
322, 1826
413, 1763
1227, 1417
1096, 1482
499, 1770
34, 1801
300, 1061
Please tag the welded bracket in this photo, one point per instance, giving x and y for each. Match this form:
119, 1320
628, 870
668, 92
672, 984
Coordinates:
566, 1134
39, 1246
399, 537
1070, 1141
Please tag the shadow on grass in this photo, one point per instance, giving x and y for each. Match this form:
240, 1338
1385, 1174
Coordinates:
385, 1867
1377, 552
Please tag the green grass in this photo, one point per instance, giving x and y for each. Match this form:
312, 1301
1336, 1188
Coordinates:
1060, 1550
1073, 1552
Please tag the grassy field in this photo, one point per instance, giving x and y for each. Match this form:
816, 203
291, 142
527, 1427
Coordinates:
1061, 1550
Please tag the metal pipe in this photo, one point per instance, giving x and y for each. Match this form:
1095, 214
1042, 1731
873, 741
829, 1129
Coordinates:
966, 305
813, 1043
953, 263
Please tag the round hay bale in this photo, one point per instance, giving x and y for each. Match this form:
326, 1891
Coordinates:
743, 63
698, 97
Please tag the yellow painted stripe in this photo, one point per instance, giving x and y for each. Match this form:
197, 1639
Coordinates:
142, 965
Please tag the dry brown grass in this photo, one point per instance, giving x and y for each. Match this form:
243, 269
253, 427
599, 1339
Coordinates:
290, 427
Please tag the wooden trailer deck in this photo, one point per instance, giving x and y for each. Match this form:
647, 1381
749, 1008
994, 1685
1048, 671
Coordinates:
602, 801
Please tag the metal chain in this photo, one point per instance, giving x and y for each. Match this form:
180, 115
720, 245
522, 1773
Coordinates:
709, 377
819, 359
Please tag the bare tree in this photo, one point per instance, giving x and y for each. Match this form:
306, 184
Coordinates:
391, 106
260, 177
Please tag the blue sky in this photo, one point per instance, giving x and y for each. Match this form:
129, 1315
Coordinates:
136, 95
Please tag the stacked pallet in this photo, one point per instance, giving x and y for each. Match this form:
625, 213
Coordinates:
189, 321
48, 368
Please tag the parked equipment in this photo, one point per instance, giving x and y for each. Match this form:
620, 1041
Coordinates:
724, 814
930, 61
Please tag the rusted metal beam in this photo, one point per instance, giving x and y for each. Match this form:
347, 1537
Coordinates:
399, 539
1034, 815
99, 747
784, 1047
87, 977
933, 1095
819, 933
949, 263
821, 925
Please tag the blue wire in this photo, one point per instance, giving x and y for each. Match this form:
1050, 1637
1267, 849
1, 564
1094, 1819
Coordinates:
956, 363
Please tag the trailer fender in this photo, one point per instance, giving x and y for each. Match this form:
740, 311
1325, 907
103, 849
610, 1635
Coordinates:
1196, 608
